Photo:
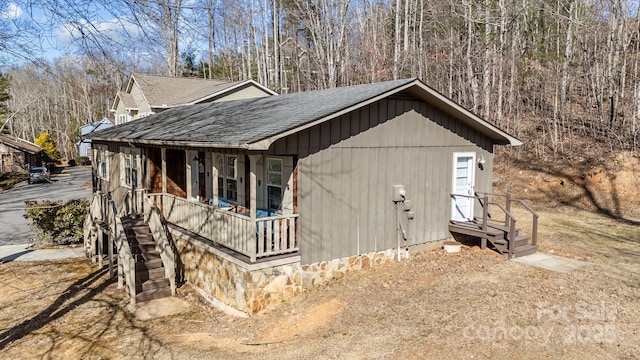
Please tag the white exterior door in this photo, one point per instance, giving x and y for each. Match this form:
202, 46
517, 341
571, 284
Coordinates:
195, 183
463, 184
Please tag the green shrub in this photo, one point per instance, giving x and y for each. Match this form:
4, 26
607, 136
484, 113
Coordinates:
55, 222
83, 160
8, 180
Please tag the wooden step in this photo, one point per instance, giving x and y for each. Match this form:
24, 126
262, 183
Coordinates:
152, 284
152, 274
521, 240
153, 294
503, 228
524, 250
148, 265
149, 256
144, 247
470, 228
143, 236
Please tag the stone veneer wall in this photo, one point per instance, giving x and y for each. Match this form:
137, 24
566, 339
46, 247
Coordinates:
251, 288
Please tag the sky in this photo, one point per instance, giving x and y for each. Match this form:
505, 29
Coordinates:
50, 39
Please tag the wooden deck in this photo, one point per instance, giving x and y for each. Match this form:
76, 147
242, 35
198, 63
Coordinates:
503, 236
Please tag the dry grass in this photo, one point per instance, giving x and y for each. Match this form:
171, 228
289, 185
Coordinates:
475, 304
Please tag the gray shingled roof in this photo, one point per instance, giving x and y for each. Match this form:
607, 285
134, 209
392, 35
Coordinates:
241, 123
245, 121
170, 91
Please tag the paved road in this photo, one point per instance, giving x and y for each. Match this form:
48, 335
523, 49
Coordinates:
73, 183
21, 252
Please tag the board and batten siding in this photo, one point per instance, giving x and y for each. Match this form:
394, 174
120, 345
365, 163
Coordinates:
347, 166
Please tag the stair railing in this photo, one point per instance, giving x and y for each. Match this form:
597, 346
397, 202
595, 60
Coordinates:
509, 222
535, 217
534, 214
126, 261
153, 218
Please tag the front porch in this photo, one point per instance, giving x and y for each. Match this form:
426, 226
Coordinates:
256, 235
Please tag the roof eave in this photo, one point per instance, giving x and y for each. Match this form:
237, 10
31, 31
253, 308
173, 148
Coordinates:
194, 144
499, 136
442, 102
232, 88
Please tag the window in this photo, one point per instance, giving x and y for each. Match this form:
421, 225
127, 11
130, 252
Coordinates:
227, 177
122, 118
102, 168
274, 184
131, 167
231, 167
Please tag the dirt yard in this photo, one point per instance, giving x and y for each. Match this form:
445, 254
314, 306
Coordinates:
473, 304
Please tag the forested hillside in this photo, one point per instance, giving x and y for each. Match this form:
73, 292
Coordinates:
561, 75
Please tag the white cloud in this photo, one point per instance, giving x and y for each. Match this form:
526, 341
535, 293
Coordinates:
116, 29
12, 12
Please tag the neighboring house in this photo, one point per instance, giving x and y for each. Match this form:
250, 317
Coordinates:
18, 154
84, 145
151, 94
264, 198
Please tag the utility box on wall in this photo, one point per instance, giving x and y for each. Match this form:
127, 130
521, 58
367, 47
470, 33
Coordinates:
399, 193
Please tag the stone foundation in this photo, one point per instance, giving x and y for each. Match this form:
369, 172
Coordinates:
251, 288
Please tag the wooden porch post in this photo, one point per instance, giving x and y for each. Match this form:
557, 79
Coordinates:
163, 155
100, 252
214, 181
110, 254
253, 161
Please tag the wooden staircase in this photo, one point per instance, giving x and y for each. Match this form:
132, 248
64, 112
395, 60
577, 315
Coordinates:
504, 236
150, 279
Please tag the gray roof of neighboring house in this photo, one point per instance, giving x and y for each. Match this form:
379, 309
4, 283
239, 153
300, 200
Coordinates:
20, 144
127, 100
95, 126
256, 123
168, 91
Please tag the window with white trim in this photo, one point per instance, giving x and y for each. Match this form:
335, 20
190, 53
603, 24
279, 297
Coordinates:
130, 167
274, 184
231, 177
227, 177
102, 162
122, 118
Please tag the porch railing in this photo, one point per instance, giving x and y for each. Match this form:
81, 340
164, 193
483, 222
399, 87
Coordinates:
266, 236
96, 216
134, 202
508, 203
